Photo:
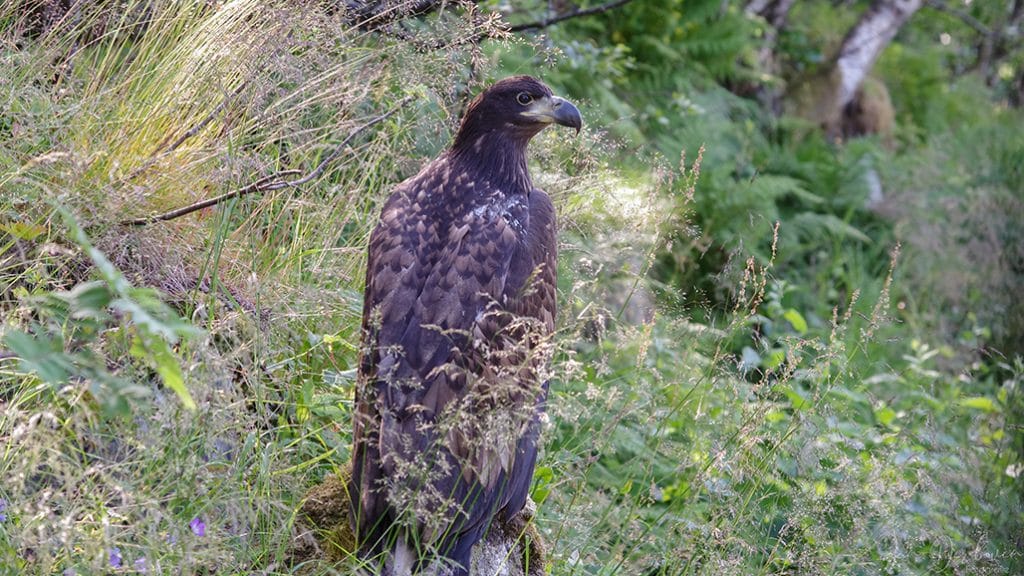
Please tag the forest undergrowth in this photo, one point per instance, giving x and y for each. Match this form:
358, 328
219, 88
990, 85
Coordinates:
755, 374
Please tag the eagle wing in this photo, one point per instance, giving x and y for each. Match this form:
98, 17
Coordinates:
444, 286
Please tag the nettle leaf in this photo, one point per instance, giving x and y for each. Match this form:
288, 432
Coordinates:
775, 359
797, 398
158, 353
88, 299
885, 415
41, 355
27, 231
983, 403
159, 327
796, 320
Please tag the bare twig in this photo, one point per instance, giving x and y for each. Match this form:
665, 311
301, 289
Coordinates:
260, 185
273, 182
375, 21
966, 18
371, 16
568, 15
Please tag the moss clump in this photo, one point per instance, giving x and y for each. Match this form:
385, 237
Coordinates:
325, 509
512, 547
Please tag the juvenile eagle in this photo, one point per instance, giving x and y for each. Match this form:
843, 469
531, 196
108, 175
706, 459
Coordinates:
458, 311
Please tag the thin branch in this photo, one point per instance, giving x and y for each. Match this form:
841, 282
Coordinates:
377, 21
966, 18
369, 17
257, 186
274, 181
568, 15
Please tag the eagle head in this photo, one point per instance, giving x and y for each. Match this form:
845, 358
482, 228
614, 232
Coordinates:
518, 107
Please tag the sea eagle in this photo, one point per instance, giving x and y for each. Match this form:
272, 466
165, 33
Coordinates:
458, 313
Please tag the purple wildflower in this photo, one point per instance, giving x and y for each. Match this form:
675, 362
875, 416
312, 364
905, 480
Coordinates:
69, 572
3, 506
140, 565
115, 557
198, 526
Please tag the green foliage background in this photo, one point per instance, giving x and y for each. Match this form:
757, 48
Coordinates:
762, 369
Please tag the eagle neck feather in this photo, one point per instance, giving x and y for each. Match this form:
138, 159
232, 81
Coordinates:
495, 157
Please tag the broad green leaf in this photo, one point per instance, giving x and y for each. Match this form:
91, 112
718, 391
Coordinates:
41, 356
23, 230
820, 487
88, 298
775, 359
885, 415
796, 398
979, 403
796, 319
152, 349
169, 369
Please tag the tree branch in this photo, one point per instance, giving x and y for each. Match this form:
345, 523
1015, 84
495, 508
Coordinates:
966, 18
274, 181
568, 15
378, 19
371, 16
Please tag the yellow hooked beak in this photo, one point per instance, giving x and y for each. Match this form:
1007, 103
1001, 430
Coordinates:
555, 110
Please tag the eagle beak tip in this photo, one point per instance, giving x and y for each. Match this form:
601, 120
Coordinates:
566, 114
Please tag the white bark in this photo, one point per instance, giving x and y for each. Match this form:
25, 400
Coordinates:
773, 11
866, 41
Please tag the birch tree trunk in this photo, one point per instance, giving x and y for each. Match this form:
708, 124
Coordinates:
865, 42
832, 97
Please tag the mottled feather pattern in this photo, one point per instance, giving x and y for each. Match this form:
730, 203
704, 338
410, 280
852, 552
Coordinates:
458, 314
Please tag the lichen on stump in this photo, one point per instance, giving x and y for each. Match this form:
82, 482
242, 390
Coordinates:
510, 548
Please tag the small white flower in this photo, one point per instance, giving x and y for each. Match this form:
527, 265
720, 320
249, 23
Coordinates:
1014, 470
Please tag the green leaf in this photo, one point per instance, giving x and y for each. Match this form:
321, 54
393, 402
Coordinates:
796, 398
885, 415
796, 320
23, 230
169, 369
88, 299
543, 477
158, 352
39, 355
979, 403
144, 320
775, 359
820, 488
813, 222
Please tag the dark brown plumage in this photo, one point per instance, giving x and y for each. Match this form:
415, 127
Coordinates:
458, 312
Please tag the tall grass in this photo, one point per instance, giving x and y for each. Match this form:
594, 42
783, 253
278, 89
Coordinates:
124, 110
764, 439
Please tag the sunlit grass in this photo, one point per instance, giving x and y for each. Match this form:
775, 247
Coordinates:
766, 438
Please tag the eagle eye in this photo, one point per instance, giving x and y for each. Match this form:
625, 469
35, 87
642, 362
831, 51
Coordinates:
524, 98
